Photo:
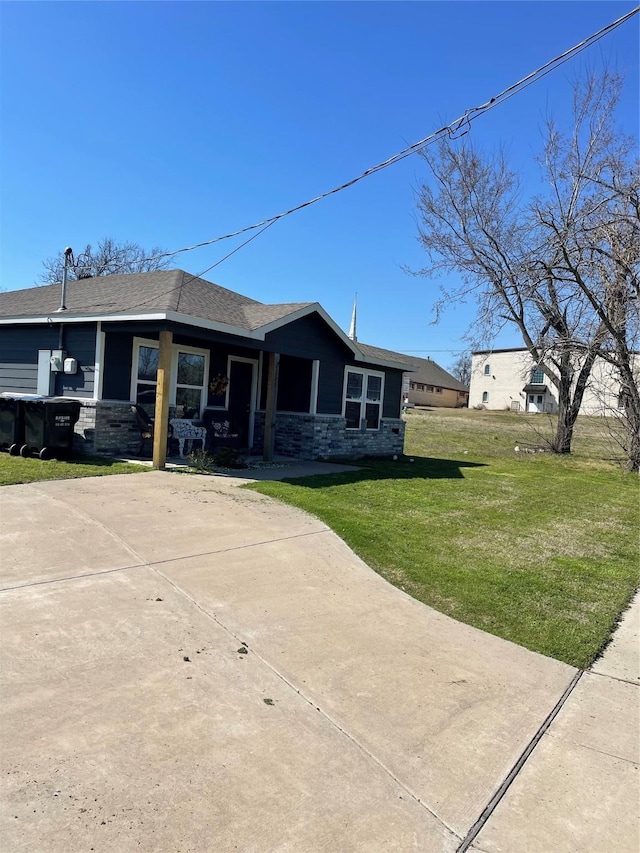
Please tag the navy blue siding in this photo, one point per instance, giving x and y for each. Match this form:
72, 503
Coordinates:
79, 342
19, 347
311, 338
118, 349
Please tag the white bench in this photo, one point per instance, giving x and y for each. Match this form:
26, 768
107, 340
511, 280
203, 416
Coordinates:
185, 431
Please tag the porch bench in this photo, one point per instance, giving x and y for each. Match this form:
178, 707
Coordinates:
186, 431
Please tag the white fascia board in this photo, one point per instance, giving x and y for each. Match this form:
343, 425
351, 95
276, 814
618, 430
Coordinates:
167, 316
63, 317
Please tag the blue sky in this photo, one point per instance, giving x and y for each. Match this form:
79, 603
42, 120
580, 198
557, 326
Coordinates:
171, 123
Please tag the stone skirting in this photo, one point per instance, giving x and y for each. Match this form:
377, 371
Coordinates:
305, 436
107, 428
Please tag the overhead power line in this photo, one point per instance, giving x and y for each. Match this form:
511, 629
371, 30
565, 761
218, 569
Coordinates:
454, 130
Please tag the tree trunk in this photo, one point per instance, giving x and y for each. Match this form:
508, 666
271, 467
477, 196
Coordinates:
566, 421
570, 400
631, 421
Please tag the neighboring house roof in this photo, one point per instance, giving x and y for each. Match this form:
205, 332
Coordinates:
424, 370
386, 355
172, 295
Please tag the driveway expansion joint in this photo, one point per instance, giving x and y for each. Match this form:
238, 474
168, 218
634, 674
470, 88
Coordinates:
613, 677
96, 574
491, 806
244, 547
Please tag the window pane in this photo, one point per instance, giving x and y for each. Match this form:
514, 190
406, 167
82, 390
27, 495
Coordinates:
372, 415
190, 369
352, 414
354, 386
146, 397
537, 377
148, 363
374, 388
189, 399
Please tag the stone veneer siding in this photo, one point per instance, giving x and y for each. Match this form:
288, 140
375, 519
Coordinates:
305, 436
106, 427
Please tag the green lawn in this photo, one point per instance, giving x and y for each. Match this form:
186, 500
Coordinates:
538, 549
15, 469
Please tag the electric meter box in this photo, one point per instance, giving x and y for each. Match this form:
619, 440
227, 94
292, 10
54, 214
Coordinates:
71, 365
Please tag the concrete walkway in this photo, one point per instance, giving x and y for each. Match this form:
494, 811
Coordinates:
192, 667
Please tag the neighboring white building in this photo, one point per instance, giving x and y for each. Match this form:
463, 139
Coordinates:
510, 379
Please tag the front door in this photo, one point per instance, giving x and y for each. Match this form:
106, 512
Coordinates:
536, 403
241, 384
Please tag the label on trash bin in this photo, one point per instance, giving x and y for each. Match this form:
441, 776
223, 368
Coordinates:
62, 420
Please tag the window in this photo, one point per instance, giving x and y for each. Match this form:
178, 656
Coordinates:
363, 398
485, 396
190, 380
146, 377
189, 376
537, 376
429, 388
487, 370
438, 390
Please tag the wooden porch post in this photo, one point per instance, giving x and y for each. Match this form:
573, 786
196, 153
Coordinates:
270, 409
161, 422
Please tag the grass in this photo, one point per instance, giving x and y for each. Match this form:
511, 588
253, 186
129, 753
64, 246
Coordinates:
538, 549
15, 469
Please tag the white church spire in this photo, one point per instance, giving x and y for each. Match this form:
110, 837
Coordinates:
352, 330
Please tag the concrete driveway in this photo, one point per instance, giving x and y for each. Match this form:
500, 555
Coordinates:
192, 667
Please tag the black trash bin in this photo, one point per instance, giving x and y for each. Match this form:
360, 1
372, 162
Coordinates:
11, 425
48, 426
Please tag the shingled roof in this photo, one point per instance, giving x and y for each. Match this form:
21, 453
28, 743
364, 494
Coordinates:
425, 370
172, 291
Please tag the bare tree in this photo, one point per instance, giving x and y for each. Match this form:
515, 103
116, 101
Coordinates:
533, 263
461, 368
107, 258
592, 223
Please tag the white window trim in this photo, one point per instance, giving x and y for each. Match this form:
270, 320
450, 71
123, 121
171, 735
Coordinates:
98, 376
315, 377
365, 374
173, 378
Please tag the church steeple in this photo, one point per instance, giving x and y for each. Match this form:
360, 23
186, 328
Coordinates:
352, 330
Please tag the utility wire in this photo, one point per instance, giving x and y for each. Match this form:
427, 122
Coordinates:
454, 130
